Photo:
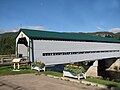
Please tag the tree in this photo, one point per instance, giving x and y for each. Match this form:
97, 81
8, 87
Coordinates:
7, 43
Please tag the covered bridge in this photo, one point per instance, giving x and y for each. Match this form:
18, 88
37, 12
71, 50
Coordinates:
59, 48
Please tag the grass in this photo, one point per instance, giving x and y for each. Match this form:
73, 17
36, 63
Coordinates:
52, 73
104, 82
7, 70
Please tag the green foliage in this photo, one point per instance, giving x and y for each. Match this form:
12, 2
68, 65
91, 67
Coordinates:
38, 64
75, 70
103, 82
117, 35
85, 62
53, 73
7, 43
7, 70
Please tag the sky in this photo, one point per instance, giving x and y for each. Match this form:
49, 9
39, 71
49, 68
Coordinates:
61, 15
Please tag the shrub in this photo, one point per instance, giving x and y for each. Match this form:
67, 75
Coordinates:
38, 64
75, 70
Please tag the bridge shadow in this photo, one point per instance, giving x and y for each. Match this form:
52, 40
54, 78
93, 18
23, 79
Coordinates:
103, 65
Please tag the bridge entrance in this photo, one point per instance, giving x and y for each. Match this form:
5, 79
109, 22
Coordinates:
22, 47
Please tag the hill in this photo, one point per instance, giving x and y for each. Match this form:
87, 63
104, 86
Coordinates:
7, 43
106, 34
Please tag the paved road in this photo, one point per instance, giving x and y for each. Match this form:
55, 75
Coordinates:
40, 82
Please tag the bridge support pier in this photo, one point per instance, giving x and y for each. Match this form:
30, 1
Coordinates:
115, 65
93, 70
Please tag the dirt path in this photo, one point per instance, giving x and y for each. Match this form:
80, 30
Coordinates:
39, 82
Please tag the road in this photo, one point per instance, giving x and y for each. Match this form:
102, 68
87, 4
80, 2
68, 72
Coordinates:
40, 82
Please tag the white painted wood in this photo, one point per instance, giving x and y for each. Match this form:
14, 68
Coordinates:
38, 68
68, 74
16, 60
22, 49
48, 46
22, 35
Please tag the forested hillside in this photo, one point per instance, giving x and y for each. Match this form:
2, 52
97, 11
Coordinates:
7, 43
7, 40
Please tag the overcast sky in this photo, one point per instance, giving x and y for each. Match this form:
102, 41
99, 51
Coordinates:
61, 15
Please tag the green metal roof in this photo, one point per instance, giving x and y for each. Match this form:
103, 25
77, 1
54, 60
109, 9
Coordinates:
37, 34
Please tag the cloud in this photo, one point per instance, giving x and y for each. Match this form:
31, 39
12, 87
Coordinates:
23, 27
115, 30
4, 31
100, 28
33, 27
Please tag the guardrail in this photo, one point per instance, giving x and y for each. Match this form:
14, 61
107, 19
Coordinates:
6, 59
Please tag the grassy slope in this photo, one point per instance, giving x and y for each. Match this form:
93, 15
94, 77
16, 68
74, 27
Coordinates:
104, 82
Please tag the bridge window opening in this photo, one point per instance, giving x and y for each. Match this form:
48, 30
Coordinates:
81, 52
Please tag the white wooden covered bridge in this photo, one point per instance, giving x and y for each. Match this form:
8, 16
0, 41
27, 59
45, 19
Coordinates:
59, 48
